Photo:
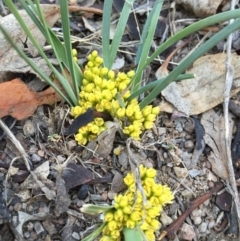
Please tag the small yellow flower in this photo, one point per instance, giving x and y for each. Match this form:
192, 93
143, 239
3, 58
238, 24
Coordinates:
74, 52
115, 234
147, 110
148, 125
154, 224
109, 216
127, 210
151, 172
130, 223
150, 117
89, 87
136, 216
149, 235
75, 59
129, 179
130, 74
155, 110
112, 225
111, 74
94, 54
120, 112
118, 215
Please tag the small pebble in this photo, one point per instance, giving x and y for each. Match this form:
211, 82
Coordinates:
83, 192
203, 227
186, 193
80, 203
26, 235
28, 128
187, 232
76, 236
180, 172
211, 223
196, 216
111, 195
17, 207
189, 146
36, 158
117, 183
30, 226
71, 144
38, 227
165, 219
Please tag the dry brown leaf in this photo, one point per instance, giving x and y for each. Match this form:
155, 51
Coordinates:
20, 102
9, 58
214, 137
203, 8
206, 90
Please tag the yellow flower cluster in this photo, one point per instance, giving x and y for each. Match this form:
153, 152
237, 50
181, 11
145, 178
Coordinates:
130, 210
99, 89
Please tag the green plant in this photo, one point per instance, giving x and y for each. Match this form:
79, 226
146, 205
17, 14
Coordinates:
134, 213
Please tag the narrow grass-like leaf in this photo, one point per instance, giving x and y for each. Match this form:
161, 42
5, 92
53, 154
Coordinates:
135, 234
221, 17
68, 44
95, 209
153, 84
95, 233
190, 59
107, 10
119, 30
147, 38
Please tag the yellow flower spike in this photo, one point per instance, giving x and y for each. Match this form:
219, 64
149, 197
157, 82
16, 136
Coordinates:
148, 125
135, 216
109, 216
150, 117
130, 74
112, 225
129, 179
111, 74
155, 110
89, 87
147, 110
75, 59
149, 235
74, 52
151, 172
130, 223
121, 113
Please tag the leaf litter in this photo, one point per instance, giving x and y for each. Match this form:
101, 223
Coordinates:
169, 151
